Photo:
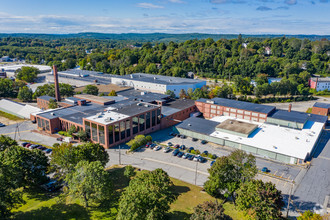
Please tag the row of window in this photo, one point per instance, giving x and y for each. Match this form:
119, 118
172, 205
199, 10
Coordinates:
44, 124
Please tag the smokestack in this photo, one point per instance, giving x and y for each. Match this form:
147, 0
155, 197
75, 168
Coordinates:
57, 89
290, 106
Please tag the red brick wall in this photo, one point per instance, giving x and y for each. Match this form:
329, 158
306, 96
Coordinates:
320, 111
175, 118
43, 104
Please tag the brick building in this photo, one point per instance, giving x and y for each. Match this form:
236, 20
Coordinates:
43, 101
321, 109
238, 109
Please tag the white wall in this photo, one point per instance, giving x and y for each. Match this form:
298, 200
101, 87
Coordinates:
323, 86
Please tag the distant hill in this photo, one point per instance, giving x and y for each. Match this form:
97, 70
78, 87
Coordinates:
157, 37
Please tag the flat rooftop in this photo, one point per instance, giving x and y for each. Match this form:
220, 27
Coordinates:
142, 96
159, 79
293, 116
92, 98
322, 105
79, 72
105, 88
181, 103
237, 126
46, 97
199, 125
266, 109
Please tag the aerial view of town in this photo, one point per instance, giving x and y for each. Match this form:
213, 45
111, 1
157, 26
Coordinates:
165, 109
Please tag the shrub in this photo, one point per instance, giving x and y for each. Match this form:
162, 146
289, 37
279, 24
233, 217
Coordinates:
204, 155
138, 141
197, 152
193, 152
129, 171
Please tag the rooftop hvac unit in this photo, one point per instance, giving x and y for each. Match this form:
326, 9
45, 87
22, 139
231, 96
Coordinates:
147, 106
210, 101
52, 113
139, 104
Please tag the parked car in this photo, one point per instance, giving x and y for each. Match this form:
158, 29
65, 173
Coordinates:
24, 144
215, 156
203, 142
265, 170
205, 152
42, 148
59, 139
196, 158
194, 139
191, 157
48, 151
182, 147
33, 146
190, 149
2, 125
180, 154
202, 160
169, 144
185, 156
172, 134
212, 162
183, 136
147, 145
167, 149
176, 146
157, 148
175, 152
28, 145
152, 146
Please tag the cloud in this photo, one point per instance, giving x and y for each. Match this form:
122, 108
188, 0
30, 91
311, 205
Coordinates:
148, 5
290, 2
282, 8
228, 1
263, 8
177, 1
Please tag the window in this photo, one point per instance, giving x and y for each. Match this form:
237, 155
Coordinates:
94, 132
153, 118
128, 128
141, 122
88, 128
135, 125
116, 132
158, 116
47, 125
39, 122
147, 120
101, 135
110, 134
122, 130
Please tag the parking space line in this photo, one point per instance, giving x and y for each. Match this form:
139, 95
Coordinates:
176, 165
326, 158
275, 172
15, 132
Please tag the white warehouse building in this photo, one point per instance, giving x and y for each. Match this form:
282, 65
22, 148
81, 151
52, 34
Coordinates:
157, 83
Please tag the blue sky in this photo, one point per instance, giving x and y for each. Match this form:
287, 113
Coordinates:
166, 16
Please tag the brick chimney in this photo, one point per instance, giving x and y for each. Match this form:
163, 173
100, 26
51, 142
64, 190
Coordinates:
290, 107
57, 89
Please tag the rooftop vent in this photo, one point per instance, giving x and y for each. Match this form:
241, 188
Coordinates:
210, 101
147, 106
52, 113
155, 78
131, 76
139, 104
189, 125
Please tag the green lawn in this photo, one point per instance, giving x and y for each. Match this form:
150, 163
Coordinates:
43, 205
10, 116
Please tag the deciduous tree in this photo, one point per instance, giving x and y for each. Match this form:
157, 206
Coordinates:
91, 90
209, 210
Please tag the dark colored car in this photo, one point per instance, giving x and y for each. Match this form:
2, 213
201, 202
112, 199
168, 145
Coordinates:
24, 144
183, 136
265, 170
212, 162
202, 160
214, 156
42, 148
182, 147
152, 146
203, 141
2, 125
194, 139
190, 149
191, 157
59, 139
205, 152
48, 151
175, 152
176, 146
33, 146
180, 154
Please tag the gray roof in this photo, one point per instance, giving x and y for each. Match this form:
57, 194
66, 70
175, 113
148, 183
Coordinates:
142, 96
166, 111
78, 72
46, 97
159, 79
198, 125
181, 103
317, 118
321, 105
294, 116
241, 105
321, 79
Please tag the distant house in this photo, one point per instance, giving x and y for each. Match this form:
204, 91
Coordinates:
320, 108
245, 45
5, 59
268, 51
271, 80
319, 83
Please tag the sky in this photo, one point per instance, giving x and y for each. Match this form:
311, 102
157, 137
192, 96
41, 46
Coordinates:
166, 16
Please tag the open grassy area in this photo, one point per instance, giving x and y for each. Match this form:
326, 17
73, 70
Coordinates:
43, 205
10, 116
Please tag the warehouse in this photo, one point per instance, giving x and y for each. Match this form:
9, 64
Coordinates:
263, 139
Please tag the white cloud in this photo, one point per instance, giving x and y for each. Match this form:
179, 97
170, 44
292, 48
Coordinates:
177, 1
148, 5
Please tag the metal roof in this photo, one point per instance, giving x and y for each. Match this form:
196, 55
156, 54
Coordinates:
321, 105
181, 103
199, 125
293, 116
240, 105
142, 96
46, 97
166, 111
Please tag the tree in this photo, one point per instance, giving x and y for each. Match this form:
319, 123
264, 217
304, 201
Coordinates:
6, 142
209, 210
170, 93
66, 89
72, 130
148, 196
138, 141
309, 215
260, 200
82, 135
229, 172
27, 74
25, 94
52, 104
29, 166
89, 182
129, 171
112, 93
6, 88
182, 94
91, 90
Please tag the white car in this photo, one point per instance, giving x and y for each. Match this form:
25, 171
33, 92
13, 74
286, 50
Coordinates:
185, 156
167, 149
157, 148
196, 158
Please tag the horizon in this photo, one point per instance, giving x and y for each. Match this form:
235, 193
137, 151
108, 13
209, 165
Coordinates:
255, 17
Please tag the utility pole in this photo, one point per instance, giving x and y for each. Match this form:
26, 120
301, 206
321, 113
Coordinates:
119, 156
289, 200
196, 173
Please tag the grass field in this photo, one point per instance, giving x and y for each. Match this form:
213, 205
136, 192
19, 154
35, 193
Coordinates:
43, 205
10, 116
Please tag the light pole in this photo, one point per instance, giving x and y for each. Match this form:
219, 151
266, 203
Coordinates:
196, 173
119, 156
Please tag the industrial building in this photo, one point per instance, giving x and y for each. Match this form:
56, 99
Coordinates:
320, 83
270, 140
320, 108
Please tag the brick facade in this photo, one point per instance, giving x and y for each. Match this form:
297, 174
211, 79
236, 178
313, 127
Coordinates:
177, 117
320, 111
